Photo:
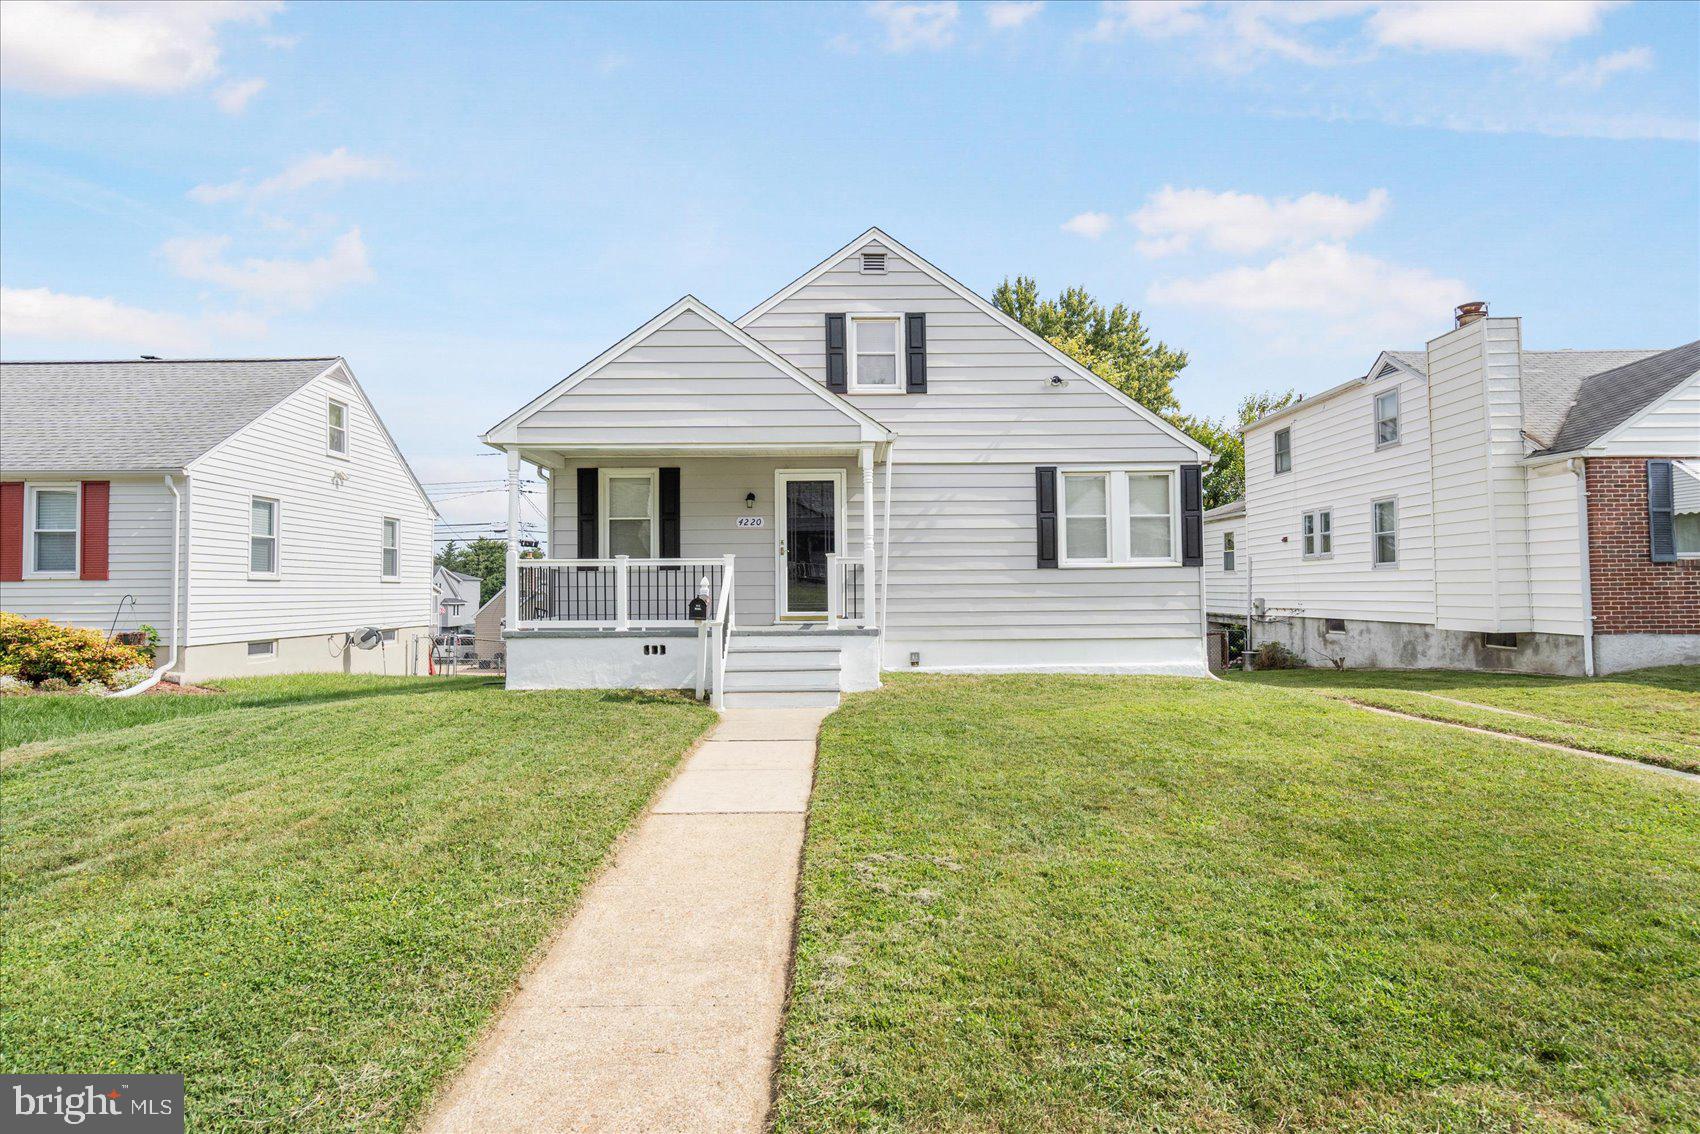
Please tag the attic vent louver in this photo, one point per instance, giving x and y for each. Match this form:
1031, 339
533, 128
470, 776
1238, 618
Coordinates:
1386, 370
873, 262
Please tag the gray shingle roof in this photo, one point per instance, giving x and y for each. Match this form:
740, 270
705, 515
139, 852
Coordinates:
130, 416
1604, 401
1227, 511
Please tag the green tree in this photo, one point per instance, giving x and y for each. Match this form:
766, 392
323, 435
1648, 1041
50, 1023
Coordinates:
1112, 342
484, 559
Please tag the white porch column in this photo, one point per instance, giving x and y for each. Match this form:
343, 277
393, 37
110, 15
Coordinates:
512, 603
868, 618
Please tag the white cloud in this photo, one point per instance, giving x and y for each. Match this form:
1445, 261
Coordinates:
51, 316
233, 98
917, 23
296, 283
1005, 14
1172, 219
1159, 19
1493, 27
1090, 225
71, 47
335, 168
1325, 281
1594, 73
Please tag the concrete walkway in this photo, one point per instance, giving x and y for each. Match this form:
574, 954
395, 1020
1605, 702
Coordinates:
658, 1007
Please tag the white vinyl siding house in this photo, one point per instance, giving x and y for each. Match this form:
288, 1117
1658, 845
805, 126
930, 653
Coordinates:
279, 476
935, 418
1225, 566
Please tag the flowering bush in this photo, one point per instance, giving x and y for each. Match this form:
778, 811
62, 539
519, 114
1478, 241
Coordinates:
131, 675
40, 651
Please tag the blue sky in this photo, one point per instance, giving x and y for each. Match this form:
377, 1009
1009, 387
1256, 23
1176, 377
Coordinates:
469, 201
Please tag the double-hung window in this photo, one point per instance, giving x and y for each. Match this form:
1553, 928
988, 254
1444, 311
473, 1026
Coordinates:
1318, 532
1387, 418
1228, 549
1119, 516
53, 530
336, 429
1384, 533
629, 507
262, 537
876, 350
1283, 451
391, 566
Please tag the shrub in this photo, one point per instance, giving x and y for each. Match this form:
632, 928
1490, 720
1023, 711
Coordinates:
41, 651
93, 689
1273, 655
131, 675
53, 685
11, 687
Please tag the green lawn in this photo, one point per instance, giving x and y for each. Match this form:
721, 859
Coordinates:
1117, 904
1649, 714
308, 895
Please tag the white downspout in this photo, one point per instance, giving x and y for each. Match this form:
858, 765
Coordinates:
176, 584
1579, 468
885, 555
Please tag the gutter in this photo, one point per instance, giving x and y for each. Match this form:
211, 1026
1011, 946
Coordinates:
176, 570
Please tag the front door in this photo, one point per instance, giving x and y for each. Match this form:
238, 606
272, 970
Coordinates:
810, 504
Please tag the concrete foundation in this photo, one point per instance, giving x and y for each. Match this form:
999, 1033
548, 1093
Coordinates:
308, 653
1615, 653
1407, 645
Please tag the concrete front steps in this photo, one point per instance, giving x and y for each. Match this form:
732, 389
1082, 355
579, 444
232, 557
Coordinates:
782, 671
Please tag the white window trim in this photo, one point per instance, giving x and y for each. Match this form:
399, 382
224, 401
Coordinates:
1275, 451
1316, 514
383, 534
902, 380
1373, 533
1377, 419
1230, 546
606, 550
30, 490
1120, 531
346, 440
276, 537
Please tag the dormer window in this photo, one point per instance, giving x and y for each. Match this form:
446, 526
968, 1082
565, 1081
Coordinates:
873, 263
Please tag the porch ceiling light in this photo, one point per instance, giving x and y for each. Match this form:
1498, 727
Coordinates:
749, 500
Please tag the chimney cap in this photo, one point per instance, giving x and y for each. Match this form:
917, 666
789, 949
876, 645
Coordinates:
1467, 313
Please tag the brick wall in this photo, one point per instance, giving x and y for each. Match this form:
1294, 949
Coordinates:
1632, 594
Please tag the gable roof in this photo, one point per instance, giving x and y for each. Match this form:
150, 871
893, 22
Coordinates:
942, 278
137, 416
1607, 400
1228, 511
503, 431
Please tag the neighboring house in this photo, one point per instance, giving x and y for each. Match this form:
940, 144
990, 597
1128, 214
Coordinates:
1038, 518
487, 628
1224, 567
255, 512
456, 600
1478, 505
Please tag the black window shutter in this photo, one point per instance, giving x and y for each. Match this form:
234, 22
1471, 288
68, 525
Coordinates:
587, 487
835, 372
669, 513
1046, 495
1661, 512
1192, 515
915, 339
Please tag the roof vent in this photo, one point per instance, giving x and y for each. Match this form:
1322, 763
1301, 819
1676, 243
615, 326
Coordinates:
873, 262
1470, 312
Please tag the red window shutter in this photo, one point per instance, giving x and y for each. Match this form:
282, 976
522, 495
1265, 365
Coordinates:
97, 505
12, 531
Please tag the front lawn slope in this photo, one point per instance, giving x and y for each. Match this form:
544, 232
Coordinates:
308, 908
1120, 904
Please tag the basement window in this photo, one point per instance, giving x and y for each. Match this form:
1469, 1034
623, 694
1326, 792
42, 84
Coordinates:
1500, 641
1334, 625
262, 650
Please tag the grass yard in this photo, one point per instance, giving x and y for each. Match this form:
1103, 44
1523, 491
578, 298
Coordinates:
1650, 714
308, 895
1115, 904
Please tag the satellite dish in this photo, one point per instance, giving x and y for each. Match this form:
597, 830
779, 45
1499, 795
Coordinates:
367, 638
